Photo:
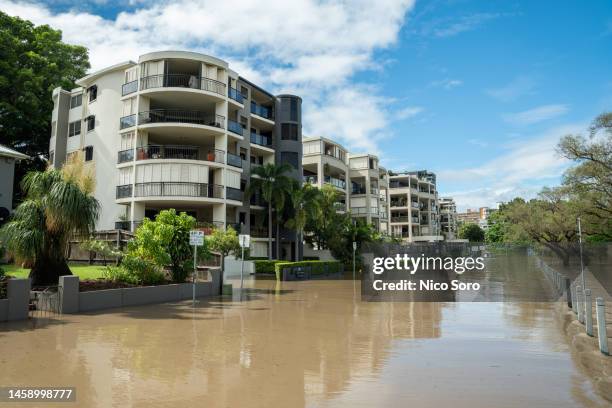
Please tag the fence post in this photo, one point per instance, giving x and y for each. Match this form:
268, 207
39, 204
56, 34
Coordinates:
568, 292
588, 310
601, 326
579, 302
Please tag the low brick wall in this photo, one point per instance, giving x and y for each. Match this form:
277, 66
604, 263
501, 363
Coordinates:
74, 301
17, 302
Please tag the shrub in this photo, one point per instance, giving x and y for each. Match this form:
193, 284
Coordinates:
141, 271
265, 266
316, 267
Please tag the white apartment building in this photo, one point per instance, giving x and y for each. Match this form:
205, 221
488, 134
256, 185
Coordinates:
413, 204
448, 217
178, 130
362, 185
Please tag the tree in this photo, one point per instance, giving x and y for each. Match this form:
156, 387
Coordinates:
471, 232
272, 182
325, 222
303, 200
58, 203
225, 243
33, 61
99, 247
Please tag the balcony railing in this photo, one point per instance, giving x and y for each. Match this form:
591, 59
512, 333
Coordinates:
181, 116
234, 160
127, 121
415, 220
310, 179
235, 127
235, 95
129, 88
416, 205
182, 81
124, 191
262, 111
180, 152
171, 189
399, 203
335, 182
261, 140
257, 199
359, 190
340, 206
400, 219
363, 211
383, 215
259, 232
234, 194
125, 156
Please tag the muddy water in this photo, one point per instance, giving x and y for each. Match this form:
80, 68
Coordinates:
302, 344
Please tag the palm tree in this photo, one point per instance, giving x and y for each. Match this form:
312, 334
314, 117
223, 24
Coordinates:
58, 203
305, 206
270, 180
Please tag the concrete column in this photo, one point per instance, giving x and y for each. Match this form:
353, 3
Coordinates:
69, 294
18, 295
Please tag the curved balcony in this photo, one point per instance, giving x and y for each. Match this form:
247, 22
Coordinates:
171, 189
182, 81
172, 152
181, 116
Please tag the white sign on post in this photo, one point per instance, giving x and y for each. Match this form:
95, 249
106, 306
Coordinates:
354, 245
196, 238
245, 240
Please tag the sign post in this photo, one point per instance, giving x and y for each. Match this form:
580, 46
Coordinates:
245, 242
354, 250
196, 238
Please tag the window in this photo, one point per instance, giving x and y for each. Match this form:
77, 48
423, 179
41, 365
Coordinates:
289, 131
293, 115
88, 153
93, 93
74, 128
290, 158
91, 122
76, 100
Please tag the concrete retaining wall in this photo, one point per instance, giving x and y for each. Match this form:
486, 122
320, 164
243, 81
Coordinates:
73, 301
17, 302
233, 265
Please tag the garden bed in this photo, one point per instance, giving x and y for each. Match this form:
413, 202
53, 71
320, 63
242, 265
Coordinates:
103, 284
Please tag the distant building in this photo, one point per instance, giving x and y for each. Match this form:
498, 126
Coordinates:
477, 216
8, 157
448, 217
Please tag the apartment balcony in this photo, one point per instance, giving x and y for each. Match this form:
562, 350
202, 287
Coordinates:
262, 111
124, 191
374, 191
400, 219
400, 234
173, 152
127, 121
358, 190
234, 160
129, 88
207, 226
415, 205
182, 81
261, 140
415, 220
235, 127
235, 95
234, 194
155, 116
310, 179
363, 211
398, 203
257, 200
178, 189
259, 232
383, 215
340, 207
336, 182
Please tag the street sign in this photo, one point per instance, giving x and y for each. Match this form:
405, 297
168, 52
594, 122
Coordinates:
245, 240
354, 245
196, 238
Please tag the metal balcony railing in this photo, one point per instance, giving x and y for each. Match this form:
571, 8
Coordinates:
234, 194
234, 160
124, 191
171, 189
398, 203
180, 152
129, 88
235, 127
125, 156
182, 81
127, 121
335, 182
181, 116
310, 179
400, 219
235, 95
259, 232
358, 190
262, 111
261, 140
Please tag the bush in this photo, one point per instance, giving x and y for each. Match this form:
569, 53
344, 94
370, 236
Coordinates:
316, 267
265, 266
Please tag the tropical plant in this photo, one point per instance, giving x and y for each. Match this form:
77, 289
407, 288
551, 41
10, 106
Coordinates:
305, 205
471, 232
99, 247
271, 181
58, 203
225, 243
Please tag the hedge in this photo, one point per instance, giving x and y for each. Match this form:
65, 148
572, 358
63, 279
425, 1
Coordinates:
265, 266
316, 267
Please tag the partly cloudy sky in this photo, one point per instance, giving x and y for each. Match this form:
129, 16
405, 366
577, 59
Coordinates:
477, 91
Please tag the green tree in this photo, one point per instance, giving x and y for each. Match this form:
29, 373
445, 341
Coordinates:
225, 243
33, 61
273, 184
99, 247
58, 203
471, 232
303, 200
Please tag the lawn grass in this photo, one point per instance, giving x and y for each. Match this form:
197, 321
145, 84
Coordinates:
82, 271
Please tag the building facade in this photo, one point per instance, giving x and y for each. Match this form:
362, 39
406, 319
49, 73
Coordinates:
8, 158
178, 130
476, 216
448, 217
413, 206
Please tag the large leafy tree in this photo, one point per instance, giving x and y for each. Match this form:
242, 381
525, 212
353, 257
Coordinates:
471, 232
224, 242
305, 205
33, 61
272, 182
58, 203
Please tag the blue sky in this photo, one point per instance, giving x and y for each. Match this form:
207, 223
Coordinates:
477, 91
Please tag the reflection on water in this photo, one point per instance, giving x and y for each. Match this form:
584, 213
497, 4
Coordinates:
302, 344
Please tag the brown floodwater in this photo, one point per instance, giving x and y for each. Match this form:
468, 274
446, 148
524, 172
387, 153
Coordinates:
302, 344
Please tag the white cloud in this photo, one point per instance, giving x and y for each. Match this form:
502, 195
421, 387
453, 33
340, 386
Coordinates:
304, 46
408, 112
535, 115
447, 83
518, 87
449, 27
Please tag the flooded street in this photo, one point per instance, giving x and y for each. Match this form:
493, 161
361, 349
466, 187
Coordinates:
302, 344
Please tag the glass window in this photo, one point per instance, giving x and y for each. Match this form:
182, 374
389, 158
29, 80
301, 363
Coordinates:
289, 131
91, 122
93, 93
290, 158
293, 110
74, 128
88, 153
76, 100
